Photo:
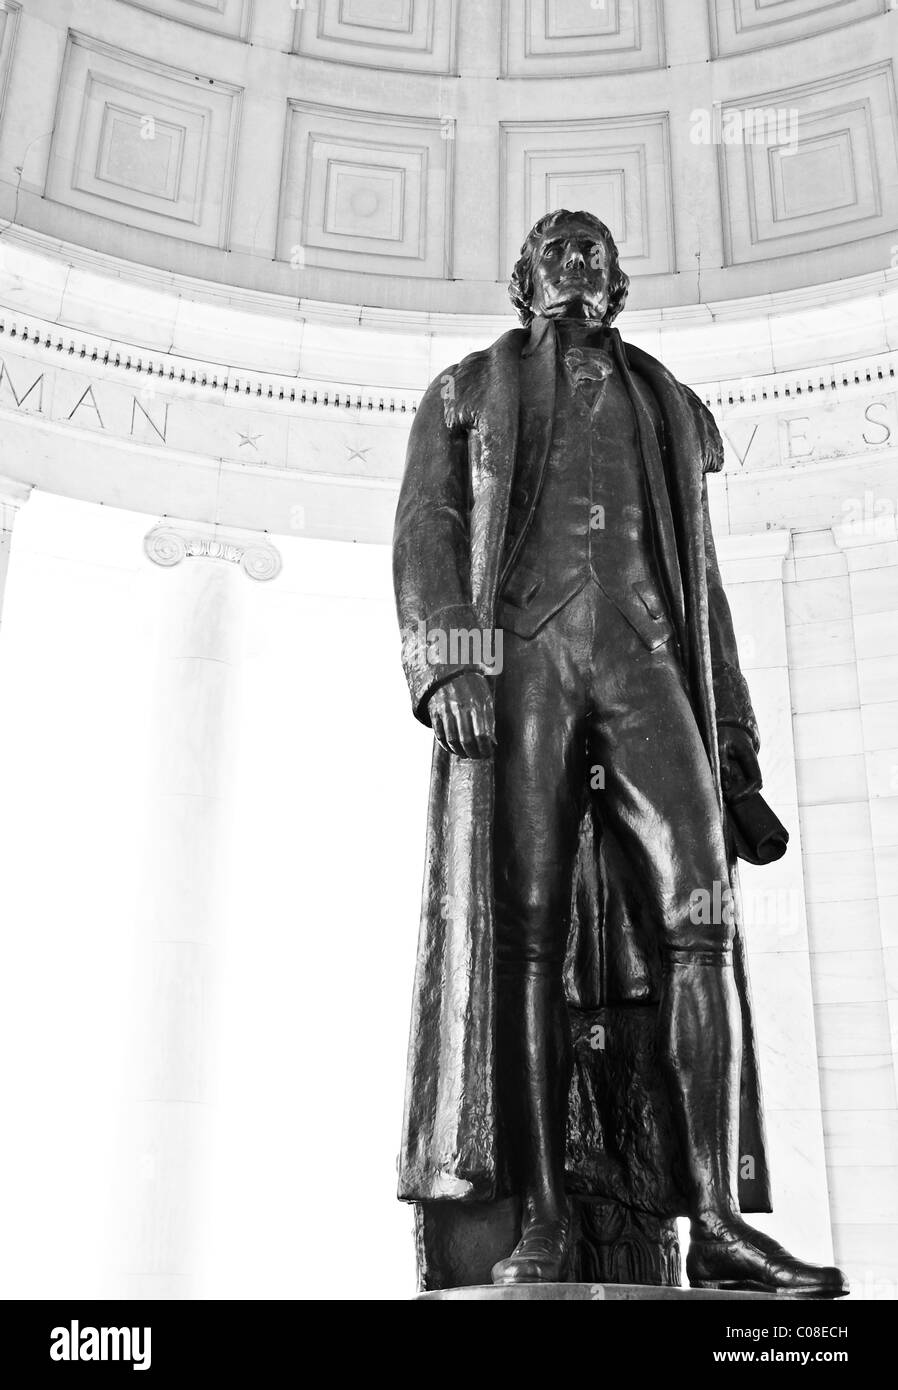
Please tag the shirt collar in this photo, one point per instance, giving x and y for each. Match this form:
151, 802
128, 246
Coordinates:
539, 328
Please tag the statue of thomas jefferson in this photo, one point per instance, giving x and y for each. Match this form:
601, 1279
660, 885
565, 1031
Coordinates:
595, 774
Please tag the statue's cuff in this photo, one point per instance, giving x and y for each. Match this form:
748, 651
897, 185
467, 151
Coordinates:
732, 702
447, 644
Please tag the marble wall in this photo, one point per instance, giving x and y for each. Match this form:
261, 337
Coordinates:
820, 638
841, 601
775, 910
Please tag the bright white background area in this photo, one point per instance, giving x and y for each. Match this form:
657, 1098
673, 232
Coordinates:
318, 924
313, 905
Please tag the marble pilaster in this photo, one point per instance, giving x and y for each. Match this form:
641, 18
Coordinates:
837, 602
775, 907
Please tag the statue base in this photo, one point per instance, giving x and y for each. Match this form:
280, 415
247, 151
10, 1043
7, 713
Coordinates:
459, 1242
587, 1293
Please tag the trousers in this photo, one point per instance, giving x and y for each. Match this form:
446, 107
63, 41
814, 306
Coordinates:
585, 708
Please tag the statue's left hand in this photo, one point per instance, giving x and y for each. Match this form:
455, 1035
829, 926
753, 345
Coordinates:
740, 772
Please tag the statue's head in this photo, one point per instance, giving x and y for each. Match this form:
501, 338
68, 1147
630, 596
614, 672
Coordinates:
569, 268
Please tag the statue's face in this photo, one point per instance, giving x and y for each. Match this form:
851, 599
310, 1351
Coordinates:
571, 273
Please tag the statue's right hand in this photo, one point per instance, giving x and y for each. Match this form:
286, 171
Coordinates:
461, 713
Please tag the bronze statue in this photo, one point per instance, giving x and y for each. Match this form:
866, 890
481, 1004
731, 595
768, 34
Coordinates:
595, 773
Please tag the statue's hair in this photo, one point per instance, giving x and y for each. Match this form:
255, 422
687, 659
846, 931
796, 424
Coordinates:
520, 286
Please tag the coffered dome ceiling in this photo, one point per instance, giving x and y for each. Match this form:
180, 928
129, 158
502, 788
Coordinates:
392, 153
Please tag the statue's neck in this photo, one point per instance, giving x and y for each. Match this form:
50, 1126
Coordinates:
572, 332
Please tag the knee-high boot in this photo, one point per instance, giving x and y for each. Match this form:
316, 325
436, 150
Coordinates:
701, 1049
534, 1070
701, 1046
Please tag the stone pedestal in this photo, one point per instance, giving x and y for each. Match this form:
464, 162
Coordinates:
585, 1293
458, 1243
622, 1177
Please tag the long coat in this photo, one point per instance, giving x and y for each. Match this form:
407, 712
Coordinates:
482, 426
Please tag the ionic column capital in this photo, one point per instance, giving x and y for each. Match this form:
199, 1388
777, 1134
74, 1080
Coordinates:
13, 495
171, 542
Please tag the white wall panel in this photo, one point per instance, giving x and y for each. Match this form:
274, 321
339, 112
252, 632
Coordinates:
408, 35
562, 38
741, 26
231, 17
143, 143
365, 191
828, 175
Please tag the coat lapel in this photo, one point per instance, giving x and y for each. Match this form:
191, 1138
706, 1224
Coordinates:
492, 450
684, 490
659, 497
536, 378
